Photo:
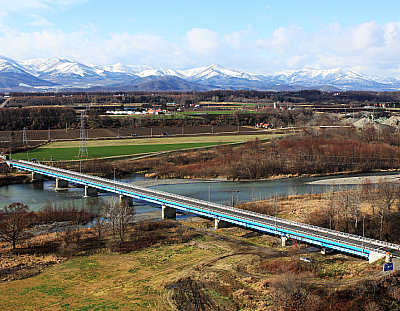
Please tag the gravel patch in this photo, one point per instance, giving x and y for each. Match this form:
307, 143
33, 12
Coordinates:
357, 180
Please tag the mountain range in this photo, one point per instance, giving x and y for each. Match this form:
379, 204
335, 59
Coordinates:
61, 74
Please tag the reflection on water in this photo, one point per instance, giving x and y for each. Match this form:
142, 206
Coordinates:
35, 195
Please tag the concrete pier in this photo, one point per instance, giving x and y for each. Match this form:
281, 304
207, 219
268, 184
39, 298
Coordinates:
37, 177
218, 224
284, 240
61, 184
126, 200
168, 212
90, 192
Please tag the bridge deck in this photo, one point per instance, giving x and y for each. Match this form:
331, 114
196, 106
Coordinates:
311, 234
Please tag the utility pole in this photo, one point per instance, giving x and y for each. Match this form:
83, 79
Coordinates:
24, 138
363, 234
115, 182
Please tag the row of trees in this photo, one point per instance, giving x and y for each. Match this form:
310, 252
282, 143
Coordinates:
366, 209
315, 96
57, 118
37, 118
313, 152
17, 222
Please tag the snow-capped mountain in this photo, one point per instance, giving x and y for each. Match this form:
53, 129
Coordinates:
13, 75
341, 78
68, 74
9, 65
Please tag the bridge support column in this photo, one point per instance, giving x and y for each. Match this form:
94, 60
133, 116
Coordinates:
90, 192
168, 212
37, 177
126, 200
374, 256
284, 240
61, 184
218, 224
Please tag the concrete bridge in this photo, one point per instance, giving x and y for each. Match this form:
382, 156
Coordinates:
222, 214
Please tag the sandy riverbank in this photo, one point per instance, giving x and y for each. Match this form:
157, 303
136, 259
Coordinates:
357, 180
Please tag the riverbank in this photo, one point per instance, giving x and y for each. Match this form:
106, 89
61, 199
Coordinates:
6, 180
357, 180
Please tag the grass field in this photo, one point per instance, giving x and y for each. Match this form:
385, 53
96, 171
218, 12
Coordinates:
68, 150
133, 281
71, 153
214, 269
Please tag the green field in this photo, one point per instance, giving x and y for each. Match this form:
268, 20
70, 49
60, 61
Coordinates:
68, 150
71, 153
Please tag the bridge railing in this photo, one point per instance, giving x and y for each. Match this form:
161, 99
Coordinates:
106, 182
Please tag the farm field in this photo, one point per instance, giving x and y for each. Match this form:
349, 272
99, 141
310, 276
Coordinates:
71, 153
70, 134
68, 150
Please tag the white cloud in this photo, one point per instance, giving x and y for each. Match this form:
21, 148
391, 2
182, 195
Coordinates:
204, 42
370, 48
42, 22
16, 5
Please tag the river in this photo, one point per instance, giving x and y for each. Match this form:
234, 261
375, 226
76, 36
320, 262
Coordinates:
35, 195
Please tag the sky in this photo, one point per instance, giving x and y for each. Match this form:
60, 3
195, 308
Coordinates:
257, 36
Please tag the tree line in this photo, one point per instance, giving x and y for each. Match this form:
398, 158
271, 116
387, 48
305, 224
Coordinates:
44, 118
19, 224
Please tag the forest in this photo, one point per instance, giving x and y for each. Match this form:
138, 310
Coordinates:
184, 98
43, 118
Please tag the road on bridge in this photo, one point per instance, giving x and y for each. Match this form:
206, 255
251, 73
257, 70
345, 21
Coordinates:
273, 225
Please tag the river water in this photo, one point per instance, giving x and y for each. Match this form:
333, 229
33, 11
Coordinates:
36, 195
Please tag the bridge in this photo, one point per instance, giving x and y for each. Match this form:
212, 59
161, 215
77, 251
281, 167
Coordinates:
327, 239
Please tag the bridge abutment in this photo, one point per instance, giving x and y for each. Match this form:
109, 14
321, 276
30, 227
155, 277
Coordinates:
61, 184
168, 212
123, 199
374, 256
90, 192
37, 177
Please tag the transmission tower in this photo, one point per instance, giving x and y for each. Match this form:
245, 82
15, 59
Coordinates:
24, 139
83, 151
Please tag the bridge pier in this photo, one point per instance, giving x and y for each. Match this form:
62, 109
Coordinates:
168, 212
218, 224
90, 192
61, 184
284, 240
37, 177
125, 200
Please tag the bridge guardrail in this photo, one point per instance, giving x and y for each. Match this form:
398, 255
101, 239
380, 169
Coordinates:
106, 183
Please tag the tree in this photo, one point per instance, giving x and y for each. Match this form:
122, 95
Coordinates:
124, 215
99, 221
14, 219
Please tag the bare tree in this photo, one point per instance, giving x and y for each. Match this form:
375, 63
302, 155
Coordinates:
100, 221
124, 216
120, 215
14, 219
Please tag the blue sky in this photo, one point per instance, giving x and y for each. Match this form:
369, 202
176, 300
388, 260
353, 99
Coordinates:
257, 36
